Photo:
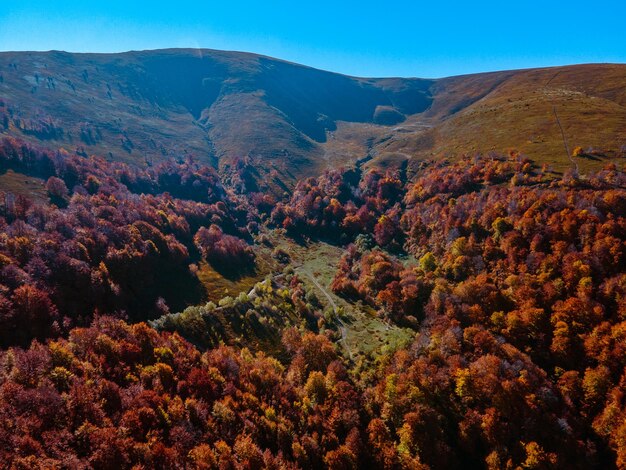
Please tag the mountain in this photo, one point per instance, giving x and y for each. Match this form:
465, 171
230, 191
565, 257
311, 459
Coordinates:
228, 109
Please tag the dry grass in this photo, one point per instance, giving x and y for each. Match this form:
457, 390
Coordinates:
217, 285
23, 185
517, 113
293, 121
144, 107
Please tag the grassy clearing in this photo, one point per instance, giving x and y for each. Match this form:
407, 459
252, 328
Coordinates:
23, 185
217, 286
366, 335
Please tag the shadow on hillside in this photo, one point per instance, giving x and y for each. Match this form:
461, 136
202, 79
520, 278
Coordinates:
234, 271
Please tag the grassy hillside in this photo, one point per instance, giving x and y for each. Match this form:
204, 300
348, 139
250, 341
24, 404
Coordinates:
143, 107
233, 110
516, 110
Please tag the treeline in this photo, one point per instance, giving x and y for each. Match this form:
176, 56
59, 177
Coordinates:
254, 319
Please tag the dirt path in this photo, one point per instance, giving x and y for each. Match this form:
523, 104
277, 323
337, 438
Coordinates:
569, 155
342, 326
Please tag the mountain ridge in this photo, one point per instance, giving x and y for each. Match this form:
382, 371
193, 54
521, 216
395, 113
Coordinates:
288, 121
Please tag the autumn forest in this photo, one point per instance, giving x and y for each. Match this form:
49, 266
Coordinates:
504, 282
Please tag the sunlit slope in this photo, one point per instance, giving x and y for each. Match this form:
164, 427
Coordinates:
519, 110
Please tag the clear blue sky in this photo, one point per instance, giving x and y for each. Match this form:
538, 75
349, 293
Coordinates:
384, 38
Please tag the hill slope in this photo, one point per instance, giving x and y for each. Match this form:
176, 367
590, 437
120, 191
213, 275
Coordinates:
288, 120
516, 110
217, 106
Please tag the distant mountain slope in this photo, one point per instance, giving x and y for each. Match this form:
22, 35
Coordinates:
519, 110
215, 105
289, 120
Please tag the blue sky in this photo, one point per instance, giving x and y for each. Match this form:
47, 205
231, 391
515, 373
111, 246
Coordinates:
392, 38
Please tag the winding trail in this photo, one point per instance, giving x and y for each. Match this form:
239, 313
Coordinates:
342, 326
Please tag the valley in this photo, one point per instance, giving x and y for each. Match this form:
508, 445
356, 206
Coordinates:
214, 259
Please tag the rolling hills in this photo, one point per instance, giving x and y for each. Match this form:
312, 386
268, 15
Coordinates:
284, 121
